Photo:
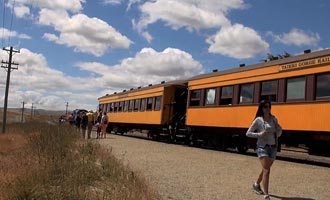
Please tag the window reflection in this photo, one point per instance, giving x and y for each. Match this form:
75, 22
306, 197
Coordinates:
296, 88
246, 95
226, 95
269, 90
210, 96
323, 85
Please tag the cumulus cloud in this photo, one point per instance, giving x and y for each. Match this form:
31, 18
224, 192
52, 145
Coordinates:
237, 41
84, 34
75, 30
21, 11
297, 37
5, 33
112, 2
73, 6
148, 66
189, 14
35, 81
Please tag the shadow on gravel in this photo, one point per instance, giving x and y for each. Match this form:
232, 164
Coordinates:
290, 198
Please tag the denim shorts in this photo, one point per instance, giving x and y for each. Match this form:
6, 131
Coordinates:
267, 151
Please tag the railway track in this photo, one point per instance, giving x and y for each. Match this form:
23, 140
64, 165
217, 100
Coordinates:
291, 154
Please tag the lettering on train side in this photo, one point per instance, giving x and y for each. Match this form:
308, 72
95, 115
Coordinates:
305, 63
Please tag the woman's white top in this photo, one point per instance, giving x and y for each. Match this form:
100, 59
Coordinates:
259, 125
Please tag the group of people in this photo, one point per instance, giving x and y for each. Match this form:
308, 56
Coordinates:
85, 121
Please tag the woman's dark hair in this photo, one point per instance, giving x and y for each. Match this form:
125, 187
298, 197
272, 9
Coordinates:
262, 104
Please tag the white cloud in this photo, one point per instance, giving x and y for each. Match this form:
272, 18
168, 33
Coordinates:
237, 41
5, 33
112, 2
131, 2
148, 66
21, 11
84, 34
297, 37
35, 81
78, 31
191, 14
71, 6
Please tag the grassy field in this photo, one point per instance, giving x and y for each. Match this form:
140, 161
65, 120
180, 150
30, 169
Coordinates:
44, 161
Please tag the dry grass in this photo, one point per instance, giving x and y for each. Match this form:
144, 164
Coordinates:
42, 161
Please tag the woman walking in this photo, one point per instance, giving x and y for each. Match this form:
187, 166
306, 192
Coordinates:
267, 130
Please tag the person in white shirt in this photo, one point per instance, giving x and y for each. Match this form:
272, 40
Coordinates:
266, 129
104, 122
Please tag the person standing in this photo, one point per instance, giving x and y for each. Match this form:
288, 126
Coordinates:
84, 123
266, 129
104, 121
78, 122
90, 116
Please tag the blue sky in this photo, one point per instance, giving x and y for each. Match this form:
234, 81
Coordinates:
79, 50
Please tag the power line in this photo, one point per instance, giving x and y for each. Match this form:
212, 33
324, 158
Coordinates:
11, 21
3, 21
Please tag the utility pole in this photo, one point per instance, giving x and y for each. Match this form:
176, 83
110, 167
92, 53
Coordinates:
66, 108
32, 110
8, 68
22, 112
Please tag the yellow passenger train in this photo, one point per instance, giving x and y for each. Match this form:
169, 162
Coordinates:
216, 109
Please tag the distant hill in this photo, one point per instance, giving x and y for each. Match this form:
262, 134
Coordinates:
15, 115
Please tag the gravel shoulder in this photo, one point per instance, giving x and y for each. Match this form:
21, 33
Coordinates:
180, 172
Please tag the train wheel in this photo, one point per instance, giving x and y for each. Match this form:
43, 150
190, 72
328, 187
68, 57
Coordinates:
115, 129
194, 141
241, 145
242, 148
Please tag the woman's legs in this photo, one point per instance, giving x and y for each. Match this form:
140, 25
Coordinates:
266, 164
259, 178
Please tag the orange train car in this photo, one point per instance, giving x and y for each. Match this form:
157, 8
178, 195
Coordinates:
151, 108
216, 109
222, 105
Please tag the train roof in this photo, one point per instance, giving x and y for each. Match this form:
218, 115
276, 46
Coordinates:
150, 86
305, 56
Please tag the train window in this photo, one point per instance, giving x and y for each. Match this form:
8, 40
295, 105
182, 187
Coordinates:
106, 107
226, 95
131, 105
149, 103
323, 86
110, 107
295, 88
121, 106
126, 103
116, 107
136, 104
195, 97
246, 93
210, 96
143, 104
269, 90
157, 103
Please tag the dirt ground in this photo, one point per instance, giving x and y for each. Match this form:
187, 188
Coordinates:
181, 173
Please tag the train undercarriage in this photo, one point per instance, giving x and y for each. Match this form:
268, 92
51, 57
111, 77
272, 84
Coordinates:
317, 143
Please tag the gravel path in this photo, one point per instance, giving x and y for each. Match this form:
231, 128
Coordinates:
181, 173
